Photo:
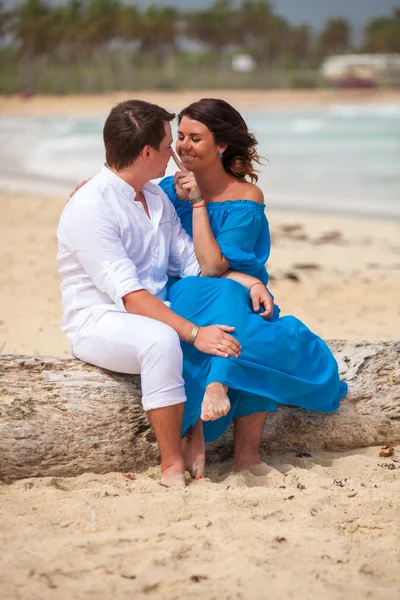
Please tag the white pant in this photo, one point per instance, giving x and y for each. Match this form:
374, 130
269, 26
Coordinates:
127, 343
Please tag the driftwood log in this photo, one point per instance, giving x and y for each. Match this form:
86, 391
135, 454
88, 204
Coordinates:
62, 417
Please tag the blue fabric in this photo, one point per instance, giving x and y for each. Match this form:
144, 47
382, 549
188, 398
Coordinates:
281, 361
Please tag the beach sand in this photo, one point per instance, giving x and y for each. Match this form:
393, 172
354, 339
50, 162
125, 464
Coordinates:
326, 525
175, 100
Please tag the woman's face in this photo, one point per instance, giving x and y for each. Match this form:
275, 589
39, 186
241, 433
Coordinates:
195, 145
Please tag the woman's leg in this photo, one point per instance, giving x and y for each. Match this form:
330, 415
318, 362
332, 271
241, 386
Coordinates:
193, 450
246, 456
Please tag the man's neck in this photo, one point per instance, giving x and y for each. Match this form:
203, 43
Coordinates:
131, 176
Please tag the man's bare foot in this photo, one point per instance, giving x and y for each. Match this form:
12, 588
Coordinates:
193, 450
173, 477
215, 403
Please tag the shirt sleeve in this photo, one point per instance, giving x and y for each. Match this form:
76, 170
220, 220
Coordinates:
182, 257
95, 241
244, 239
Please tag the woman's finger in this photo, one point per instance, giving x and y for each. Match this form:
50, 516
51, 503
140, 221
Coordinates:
178, 163
187, 180
256, 304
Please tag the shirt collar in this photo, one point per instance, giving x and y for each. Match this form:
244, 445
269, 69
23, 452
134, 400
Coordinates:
124, 187
117, 182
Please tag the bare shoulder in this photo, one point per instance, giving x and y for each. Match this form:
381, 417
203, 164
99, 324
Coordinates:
250, 191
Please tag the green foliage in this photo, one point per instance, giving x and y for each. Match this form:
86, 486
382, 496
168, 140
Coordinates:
335, 38
383, 34
216, 27
94, 45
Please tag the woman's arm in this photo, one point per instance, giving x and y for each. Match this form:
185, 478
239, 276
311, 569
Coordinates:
259, 294
207, 250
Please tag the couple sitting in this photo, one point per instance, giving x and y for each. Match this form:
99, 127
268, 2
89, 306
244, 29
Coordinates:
149, 271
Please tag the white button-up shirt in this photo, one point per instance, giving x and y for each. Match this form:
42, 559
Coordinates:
108, 247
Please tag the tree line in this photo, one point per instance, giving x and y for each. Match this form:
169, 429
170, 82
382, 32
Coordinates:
90, 31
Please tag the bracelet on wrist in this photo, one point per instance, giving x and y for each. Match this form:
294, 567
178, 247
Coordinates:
196, 200
258, 283
199, 205
194, 333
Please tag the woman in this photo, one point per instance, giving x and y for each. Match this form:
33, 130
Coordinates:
281, 360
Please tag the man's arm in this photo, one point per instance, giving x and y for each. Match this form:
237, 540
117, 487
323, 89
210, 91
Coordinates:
211, 340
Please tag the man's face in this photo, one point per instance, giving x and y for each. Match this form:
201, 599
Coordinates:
161, 158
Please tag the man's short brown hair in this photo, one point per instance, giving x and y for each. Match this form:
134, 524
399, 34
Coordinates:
130, 126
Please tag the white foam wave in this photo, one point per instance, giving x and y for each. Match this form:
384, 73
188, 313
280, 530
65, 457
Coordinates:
353, 111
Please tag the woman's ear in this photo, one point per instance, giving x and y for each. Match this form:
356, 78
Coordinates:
222, 148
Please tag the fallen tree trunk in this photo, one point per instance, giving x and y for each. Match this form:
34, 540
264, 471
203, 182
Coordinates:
62, 417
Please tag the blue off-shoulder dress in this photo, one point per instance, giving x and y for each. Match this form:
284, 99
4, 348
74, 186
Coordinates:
281, 361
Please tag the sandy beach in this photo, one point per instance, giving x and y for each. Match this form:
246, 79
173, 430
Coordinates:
326, 524
323, 525
173, 100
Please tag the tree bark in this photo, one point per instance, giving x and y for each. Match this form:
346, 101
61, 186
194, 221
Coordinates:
62, 417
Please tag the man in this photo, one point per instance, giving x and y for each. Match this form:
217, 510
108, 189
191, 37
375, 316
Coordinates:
119, 237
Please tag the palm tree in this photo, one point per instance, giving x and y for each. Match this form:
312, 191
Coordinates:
299, 43
383, 34
335, 38
215, 27
33, 28
263, 33
100, 21
5, 19
158, 32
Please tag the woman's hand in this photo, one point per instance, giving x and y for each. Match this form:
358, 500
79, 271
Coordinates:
185, 182
186, 185
78, 187
180, 192
215, 340
261, 297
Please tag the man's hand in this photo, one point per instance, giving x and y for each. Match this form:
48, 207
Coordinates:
78, 187
215, 340
260, 297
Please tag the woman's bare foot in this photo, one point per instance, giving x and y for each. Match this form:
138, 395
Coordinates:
215, 403
193, 450
173, 477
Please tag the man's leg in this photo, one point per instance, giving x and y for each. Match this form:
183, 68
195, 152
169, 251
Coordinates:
246, 456
127, 343
167, 425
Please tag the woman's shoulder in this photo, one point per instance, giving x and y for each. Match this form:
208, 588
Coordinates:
243, 196
251, 191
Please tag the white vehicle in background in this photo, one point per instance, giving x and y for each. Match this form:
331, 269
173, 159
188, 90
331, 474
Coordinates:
362, 70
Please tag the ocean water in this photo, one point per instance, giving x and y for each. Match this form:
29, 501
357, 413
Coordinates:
341, 158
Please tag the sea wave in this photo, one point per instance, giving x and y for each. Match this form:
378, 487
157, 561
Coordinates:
340, 158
